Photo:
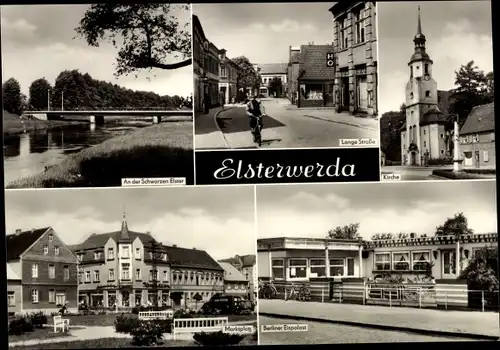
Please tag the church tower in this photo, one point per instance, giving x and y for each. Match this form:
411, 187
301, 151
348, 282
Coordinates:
421, 97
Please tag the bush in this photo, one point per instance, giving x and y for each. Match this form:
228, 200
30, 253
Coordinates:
126, 324
481, 171
19, 326
440, 161
185, 314
217, 339
147, 333
450, 174
37, 319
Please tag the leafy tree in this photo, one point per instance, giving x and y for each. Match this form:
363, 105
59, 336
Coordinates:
248, 77
350, 231
474, 88
381, 236
145, 34
390, 133
482, 271
38, 94
11, 95
457, 225
275, 86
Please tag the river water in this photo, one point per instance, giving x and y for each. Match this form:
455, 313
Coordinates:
28, 154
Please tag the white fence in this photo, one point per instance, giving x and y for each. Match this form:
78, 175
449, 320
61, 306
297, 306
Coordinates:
194, 325
155, 315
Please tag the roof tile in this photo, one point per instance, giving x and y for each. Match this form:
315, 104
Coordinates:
273, 68
17, 243
313, 62
480, 119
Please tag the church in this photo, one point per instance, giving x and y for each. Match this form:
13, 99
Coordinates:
424, 135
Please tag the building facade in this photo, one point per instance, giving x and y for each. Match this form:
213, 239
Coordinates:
293, 73
269, 73
235, 284
117, 271
423, 136
228, 83
477, 138
246, 265
47, 270
355, 49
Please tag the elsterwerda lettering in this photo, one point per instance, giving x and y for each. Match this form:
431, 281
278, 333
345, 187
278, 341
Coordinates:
239, 170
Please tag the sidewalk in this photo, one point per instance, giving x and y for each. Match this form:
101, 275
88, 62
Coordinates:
207, 133
345, 118
458, 323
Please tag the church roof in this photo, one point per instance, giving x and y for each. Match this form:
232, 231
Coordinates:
480, 119
433, 117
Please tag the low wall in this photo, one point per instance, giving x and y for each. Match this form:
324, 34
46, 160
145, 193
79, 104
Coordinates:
452, 294
353, 290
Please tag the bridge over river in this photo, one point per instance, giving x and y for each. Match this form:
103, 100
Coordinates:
98, 116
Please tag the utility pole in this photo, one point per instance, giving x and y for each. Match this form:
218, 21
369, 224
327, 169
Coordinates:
48, 100
62, 101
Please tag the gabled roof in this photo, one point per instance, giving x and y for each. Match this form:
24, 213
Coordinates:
18, 243
231, 273
11, 275
480, 119
99, 240
273, 68
244, 260
313, 62
191, 258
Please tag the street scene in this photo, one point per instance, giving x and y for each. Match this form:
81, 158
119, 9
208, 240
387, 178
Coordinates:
134, 271
89, 100
437, 115
294, 86
412, 262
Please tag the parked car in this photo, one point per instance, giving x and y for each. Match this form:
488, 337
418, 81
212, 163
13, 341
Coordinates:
221, 304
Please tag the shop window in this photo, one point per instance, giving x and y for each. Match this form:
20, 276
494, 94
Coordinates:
420, 260
401, 261
336, 267
297, 268
382, 261
318, 267
311, 91
278, 269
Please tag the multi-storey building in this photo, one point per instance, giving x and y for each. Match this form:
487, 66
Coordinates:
43, 272
117, 270
234, 282
228, 83
355, 50
246, 265
199, 45
270, 72
293, 73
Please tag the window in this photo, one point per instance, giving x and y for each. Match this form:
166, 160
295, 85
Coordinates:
111, 275
52, 296
125, 252
125, 271
11, 297
34, 296
350, 266
441, 135
426, 68
163, 256
165, 276
401, 261
424, 131
51, 237
80, 257
278, 268
449, 263
318, 268
96, 276
442, 151
87, 276
61, 298
359, 26
56, 250
66, 272
80, 277
421, 260
425, 144
417, 67
153, 275
97, 255
427, 93
111, 253
343, 36
336, 267
382, 261
45, 249
138, 274
298, 268
34, 270
137, 253
223, 72
486, 157
411, 72
475, 138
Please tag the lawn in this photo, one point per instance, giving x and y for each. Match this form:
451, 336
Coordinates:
38, 333
161, 150
105, 343
92, 320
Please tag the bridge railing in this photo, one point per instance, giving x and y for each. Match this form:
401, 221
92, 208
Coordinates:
106, 109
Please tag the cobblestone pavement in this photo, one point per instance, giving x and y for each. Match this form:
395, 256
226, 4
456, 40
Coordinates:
327, 333
460, 322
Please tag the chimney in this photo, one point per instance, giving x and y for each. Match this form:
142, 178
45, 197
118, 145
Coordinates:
18, 231
148, 233
194, 248
175, 246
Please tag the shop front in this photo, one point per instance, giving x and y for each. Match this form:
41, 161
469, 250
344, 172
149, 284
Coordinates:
315, 94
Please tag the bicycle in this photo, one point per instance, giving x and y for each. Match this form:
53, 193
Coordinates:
267, 290
302, 294
257, 131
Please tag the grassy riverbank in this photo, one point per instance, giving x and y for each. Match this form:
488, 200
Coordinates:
12, 124
161, 150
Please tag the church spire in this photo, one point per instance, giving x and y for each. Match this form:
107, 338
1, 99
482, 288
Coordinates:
419, 39
124, 231
419, 25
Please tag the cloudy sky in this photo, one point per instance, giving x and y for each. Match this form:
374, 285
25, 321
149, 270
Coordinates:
219, 220
457, 32
264, 32
311, 210
38, 41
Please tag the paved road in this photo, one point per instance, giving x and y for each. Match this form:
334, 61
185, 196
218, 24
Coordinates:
285, 127
325, 333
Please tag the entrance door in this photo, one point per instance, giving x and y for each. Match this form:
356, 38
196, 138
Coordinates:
476, 159
344, 94
328, 95
362, 94
223, 92
413, 158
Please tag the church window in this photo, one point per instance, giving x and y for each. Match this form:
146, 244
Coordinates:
411, 113
427, 93
441, 135
425, 144
417, 67
426, 68
442, 151
411, 96
424, 131
411, 71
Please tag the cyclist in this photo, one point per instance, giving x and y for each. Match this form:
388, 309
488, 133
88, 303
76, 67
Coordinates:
254, 110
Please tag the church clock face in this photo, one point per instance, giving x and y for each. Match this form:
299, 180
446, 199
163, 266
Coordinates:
427, 77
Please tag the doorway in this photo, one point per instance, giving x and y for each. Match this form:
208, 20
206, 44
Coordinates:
413, 158
344, 93
477, 161
362, 93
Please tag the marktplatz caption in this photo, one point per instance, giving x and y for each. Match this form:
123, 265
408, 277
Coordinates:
154, 181
275, 328
243, 329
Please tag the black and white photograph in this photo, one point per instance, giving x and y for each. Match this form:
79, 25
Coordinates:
436, 90
131, 267
285, 75
377, 262
89, 100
